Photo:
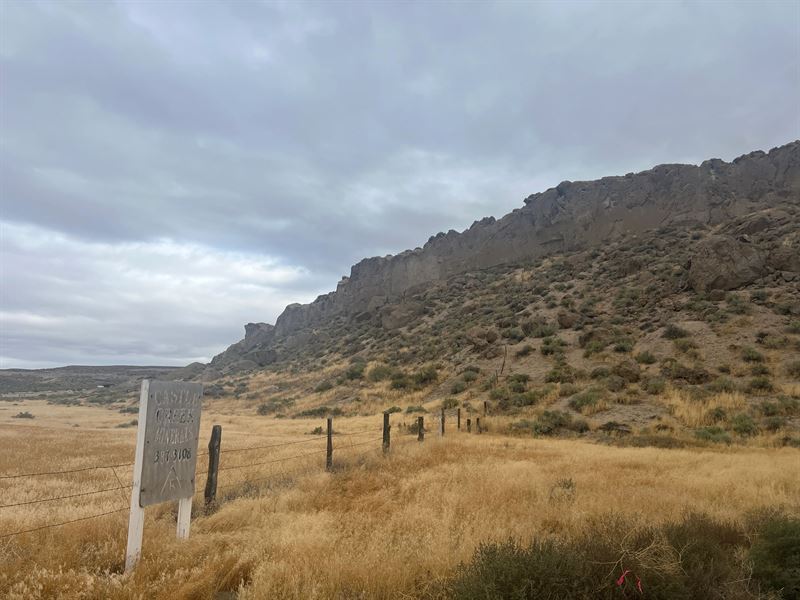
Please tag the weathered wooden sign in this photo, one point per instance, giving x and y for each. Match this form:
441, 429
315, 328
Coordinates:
166, 455
171, 433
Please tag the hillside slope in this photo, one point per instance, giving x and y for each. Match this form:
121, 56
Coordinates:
666, 302
564, 219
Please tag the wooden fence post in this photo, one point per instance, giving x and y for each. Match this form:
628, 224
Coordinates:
213, 463
329, 453
485, 408
441, 425
469, 425
136, 518
420, 429
458, 418
386, 428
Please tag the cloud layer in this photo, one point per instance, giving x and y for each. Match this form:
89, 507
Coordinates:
169, 171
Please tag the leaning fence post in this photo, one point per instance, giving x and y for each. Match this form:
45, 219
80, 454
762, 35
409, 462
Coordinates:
213, 463
420, 429
386, 428
458, 418
441, 424
485, 408
329, 453
469, 425
478, 424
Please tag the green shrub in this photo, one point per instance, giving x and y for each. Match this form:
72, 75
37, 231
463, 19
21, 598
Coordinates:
673, 332
722, 384
717, 414
519, 377
623, 346
319, 411
323, 386
594, 347
426, 376
752, 355
646, 358
560, 374
537, 328
694, 557
759, 369
449, 403
773, 424
274, 405
713, 434
744, 425
567, 389
515, 333
393, 409
458, 387
550, 422
552, 345
415, 409
684, 345
355, 371
587, 398
600, 373
23, 415
400, 381
794, 327
655, 386
760, 384
469, 376
524, 351
775, 556
693, 375
737, 305
380, 373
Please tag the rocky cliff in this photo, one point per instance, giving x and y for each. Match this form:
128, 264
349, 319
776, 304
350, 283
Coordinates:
569, 217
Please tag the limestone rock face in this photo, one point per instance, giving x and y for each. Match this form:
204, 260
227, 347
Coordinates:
571, 216
725, 263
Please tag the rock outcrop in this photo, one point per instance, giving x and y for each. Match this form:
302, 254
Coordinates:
725, 263
571, 216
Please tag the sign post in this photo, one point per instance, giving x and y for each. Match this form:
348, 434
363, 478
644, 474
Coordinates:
166, 456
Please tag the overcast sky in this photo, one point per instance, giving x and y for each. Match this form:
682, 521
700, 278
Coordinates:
172, 170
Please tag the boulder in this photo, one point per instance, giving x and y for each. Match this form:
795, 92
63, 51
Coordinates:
722, 262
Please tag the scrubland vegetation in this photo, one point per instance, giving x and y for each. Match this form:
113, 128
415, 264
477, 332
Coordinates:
633, 425
467, 516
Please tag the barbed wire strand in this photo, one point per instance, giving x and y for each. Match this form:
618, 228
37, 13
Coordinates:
113, 489
110, 512
66, 471
276, 460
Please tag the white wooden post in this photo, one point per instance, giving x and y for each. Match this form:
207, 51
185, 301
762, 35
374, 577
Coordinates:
184, 517
136, 519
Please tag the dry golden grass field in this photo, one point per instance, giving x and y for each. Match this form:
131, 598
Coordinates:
379, 526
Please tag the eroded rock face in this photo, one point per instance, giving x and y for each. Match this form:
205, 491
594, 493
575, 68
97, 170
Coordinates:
725, 263
573, 216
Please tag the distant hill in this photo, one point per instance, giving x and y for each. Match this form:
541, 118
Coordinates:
78, 378
755, 195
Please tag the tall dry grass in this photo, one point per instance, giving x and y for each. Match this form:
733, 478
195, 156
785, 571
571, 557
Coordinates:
378, 527
698, 412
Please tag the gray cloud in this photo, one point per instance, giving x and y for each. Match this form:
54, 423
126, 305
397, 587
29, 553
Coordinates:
162, 138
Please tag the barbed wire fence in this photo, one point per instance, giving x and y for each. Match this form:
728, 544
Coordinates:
245, 474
